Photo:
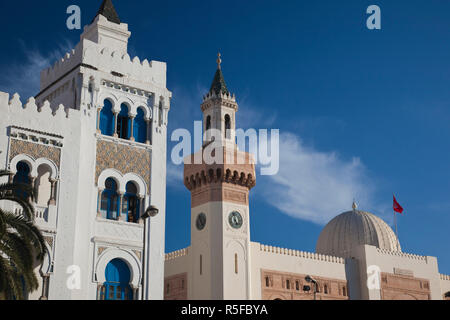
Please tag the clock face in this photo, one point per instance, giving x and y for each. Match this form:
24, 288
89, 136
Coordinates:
201, 221
235, 220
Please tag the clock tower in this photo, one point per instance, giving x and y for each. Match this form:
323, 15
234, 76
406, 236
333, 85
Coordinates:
219, 178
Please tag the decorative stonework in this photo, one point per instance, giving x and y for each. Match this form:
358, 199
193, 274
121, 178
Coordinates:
138, 254
289, 286
404, 287
101, 250
176, 287
124, 158
35, 150
49, 241
219, 192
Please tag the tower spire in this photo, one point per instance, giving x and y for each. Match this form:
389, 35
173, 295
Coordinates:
219, 61
108, 11
218, 85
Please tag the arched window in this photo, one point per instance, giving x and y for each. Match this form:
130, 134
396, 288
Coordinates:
43, 185
267, 282
208, 123
117, 285
110, 200
130, 203
22, 177
227, 127
123, 123
140, 127
325, 289
297, 285
288, 284
344, 291
236, 270
160, 113
107, 119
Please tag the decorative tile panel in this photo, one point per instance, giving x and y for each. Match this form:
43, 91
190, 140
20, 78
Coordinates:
124, 158
35, 150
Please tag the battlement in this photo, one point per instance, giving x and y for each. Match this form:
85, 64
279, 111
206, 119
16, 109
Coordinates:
301, 254
15, 106
224, 96
177, 254
62, 66
445, 277
401, 254
90, 55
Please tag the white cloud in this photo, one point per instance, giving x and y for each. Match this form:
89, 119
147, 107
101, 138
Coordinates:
313, 185
24, 77
174, 175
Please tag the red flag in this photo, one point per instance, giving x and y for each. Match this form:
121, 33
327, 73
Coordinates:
397, 207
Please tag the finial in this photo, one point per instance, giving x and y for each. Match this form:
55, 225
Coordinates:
219, 60
354, 205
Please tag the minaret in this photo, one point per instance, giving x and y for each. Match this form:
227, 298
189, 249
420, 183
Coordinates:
219, 108
220, 220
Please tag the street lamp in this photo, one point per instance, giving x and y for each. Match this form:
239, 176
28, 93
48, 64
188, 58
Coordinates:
313, 281
151, 212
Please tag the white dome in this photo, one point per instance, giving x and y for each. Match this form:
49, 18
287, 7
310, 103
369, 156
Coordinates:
354, 228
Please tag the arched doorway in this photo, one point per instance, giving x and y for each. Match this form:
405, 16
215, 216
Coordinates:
117, 285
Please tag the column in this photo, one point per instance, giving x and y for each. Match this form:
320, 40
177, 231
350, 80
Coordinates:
99, 292
141, 209
99, 203
52, 200
99, 110
132, 128
45, 284
119, 210
149, 131
33, 187
115, 135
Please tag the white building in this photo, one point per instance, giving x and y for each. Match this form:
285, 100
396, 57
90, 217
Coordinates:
93, 145
358, 255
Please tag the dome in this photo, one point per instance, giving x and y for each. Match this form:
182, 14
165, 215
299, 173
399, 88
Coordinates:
354, 228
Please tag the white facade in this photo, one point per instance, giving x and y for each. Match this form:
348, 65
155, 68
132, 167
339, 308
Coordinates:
57, 134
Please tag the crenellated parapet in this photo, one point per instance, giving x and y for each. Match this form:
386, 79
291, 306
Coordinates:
300, 254
401, 254
445, 277
224, 99
234, 167
14, 106
92, 56
177, 254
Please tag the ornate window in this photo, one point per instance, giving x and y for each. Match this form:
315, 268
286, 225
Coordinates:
22, 177
107, 119
288, 284
130, 203
140, 127
123, 123
110, 200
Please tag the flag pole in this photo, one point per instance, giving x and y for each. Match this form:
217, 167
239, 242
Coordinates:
396, 228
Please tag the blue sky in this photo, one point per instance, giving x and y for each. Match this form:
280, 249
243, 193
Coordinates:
362, 114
